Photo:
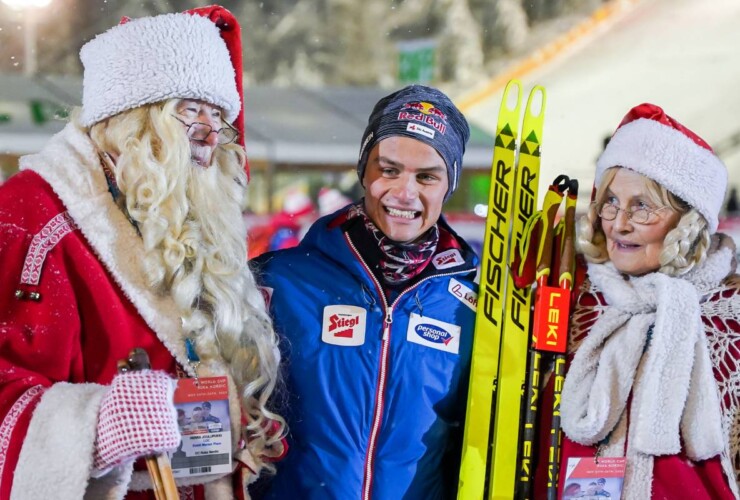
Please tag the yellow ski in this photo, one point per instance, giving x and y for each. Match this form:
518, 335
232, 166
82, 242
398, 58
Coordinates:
492, 425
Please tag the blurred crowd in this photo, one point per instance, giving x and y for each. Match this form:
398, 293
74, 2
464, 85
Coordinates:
285, 228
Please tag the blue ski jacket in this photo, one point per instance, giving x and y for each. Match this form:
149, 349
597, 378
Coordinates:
377, 391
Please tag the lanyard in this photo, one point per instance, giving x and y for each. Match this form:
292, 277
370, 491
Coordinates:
115, 192
193, 358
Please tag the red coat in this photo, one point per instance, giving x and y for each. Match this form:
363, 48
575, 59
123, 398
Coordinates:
63, 237
674, 476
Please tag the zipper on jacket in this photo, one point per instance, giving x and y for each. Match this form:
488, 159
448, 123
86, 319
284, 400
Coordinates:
387, 322
379, 405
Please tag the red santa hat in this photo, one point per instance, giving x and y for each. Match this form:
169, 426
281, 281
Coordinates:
655, 145
196, 54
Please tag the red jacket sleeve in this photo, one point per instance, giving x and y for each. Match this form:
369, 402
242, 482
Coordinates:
39, 339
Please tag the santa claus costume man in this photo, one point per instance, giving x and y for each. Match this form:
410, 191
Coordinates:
126, 231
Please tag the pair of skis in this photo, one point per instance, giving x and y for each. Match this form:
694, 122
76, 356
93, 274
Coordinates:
498, 369
498, 443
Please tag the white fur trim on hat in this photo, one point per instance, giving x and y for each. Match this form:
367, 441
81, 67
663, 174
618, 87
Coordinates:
153, 59
689, 171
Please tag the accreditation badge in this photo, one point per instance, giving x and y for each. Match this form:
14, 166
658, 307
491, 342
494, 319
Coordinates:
587, 477
203, 418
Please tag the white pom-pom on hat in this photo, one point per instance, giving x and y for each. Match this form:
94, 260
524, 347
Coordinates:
655, 145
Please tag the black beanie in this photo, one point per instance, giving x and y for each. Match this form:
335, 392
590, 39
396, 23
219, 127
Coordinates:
425, 114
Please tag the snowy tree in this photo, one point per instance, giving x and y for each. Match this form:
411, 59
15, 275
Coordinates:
311, 42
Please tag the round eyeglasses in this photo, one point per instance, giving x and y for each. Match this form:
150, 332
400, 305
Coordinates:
199, 131
609, 211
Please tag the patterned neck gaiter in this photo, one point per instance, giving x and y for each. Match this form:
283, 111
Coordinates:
398, 262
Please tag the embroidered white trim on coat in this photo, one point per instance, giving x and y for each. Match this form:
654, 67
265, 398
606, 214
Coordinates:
6, 428
46, 239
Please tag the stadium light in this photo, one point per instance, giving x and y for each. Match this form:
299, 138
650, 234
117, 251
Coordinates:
27, 8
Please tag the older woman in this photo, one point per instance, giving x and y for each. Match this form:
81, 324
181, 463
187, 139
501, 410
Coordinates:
655, 336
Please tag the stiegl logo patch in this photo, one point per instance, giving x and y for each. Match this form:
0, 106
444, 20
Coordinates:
344, 325
341, 326
448, 258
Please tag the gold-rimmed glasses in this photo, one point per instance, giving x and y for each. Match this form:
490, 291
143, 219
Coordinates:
199, 131
609, 211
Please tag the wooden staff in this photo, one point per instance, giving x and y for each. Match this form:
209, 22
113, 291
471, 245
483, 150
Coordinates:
160, 470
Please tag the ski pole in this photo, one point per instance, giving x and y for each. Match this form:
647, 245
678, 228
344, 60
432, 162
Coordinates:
539, 229
566, 280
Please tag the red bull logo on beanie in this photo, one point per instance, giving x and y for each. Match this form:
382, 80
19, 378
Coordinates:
426, 113
426, 108
433, 333
344, 325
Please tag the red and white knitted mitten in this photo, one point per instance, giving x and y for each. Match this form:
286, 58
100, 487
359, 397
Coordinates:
137, 417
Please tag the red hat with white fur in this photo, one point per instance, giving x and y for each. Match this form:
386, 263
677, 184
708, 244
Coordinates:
655, 145
196, 54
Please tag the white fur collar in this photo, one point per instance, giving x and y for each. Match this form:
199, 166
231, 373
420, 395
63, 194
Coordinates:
613, 361
70, 164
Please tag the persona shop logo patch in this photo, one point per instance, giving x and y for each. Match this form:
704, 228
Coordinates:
344, 325
433, 333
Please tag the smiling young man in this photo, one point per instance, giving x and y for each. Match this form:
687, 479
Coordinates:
377, 326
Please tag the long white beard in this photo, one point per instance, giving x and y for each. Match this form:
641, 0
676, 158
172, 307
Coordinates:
190, 219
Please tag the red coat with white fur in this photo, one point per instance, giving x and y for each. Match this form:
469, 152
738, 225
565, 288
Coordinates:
58, 353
